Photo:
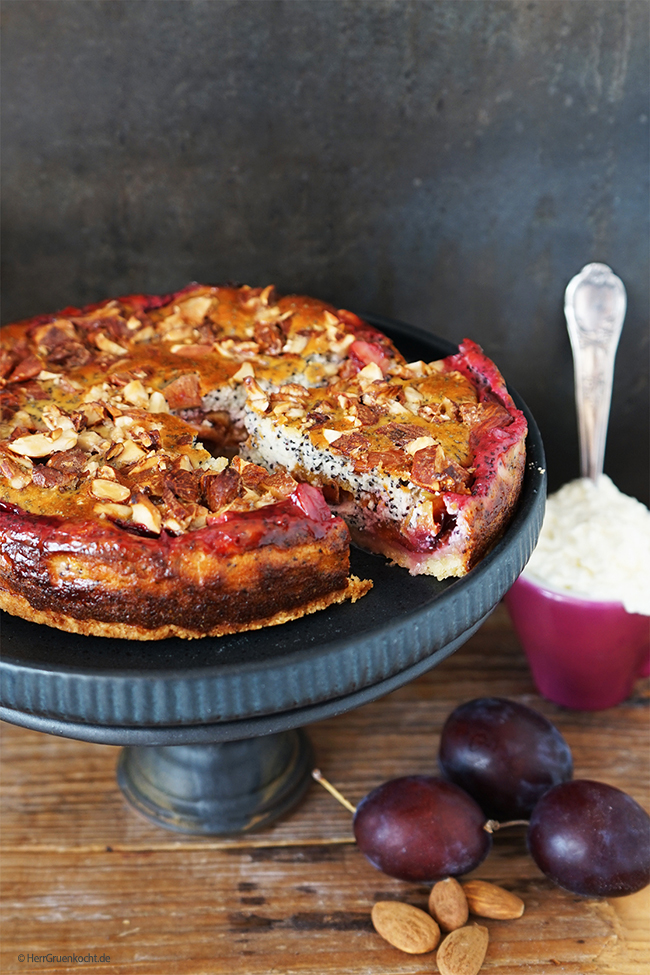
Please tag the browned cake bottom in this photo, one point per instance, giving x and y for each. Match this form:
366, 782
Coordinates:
99, 580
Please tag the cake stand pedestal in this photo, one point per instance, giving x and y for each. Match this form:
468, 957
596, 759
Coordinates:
224, 788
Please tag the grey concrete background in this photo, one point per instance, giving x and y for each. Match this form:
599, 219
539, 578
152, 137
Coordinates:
452, 164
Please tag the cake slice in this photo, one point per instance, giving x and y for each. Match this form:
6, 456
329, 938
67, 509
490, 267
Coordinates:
423, 461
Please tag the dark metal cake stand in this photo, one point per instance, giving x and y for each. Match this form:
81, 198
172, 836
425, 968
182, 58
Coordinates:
212, 728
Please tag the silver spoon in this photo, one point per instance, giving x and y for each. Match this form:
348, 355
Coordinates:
594, 305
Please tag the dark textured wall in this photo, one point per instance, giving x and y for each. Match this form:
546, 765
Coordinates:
452, 164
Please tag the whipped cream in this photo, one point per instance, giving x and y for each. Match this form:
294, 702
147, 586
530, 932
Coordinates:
595, 543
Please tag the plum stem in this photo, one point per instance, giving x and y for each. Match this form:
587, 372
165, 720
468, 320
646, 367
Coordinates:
318, 775
493, 825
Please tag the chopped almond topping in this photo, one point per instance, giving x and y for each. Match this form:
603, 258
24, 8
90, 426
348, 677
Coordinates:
54, 419
145, 513
109, 490
266, 294
419, 444
370, 373
294, 391
130, 453
257, 398
103, 342
295, 344
158, 403
90, 441
135, 393
40, 445
144, 335
412, 395
245, 371
114, 451
195, 309
18, 472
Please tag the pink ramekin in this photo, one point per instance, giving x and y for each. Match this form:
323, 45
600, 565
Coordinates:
583, 654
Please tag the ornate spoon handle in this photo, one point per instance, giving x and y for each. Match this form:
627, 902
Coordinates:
594, 305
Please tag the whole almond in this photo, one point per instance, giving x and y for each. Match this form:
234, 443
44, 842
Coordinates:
405, 927
448, 904
462, 952
488, 900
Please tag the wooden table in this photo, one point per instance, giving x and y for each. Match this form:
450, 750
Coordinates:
83, 874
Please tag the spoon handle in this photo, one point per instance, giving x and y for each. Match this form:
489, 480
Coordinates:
594, 305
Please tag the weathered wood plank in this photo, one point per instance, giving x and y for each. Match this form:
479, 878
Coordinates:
303, 909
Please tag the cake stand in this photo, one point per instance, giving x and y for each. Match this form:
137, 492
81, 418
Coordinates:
212, 729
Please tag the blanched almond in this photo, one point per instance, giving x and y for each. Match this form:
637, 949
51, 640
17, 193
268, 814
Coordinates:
245, 371
343, 345
107, 345
89, 440
370, 373
195, 309
130, 453
419, 444
109, 490
32, 445
463, 951
405, 927
158, 403
40, 445
135, 393
171, 322
19, 481
144, 334
418, 368
54, 419
93, 413
265, 296
146, 514
448, 904
96, 394
331, 319
489, 900
295, 344
332, 435
257, 398
412, 395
